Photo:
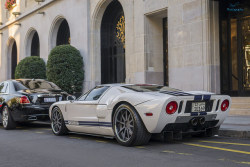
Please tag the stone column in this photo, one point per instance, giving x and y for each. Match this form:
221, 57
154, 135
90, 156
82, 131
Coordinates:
211, 46
194, 45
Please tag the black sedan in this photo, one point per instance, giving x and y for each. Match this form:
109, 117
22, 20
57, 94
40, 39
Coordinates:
26, 100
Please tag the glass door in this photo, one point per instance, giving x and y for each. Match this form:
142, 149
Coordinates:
245, 28
235, 52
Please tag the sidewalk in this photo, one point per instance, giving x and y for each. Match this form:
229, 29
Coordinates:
236, 126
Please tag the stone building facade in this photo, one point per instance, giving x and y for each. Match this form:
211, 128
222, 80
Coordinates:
170, 42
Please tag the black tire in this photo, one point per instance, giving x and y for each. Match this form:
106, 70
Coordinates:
58, 129
139, 136
7, 120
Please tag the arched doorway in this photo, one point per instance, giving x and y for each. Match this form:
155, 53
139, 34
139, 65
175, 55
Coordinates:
113, 44
35, 45
63, 34
60, 33
32, 43
13, 60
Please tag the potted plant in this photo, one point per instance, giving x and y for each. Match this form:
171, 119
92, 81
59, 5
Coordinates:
9, 4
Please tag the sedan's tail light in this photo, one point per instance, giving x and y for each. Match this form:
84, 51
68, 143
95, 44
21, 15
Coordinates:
171, 107
24, 100
224, 105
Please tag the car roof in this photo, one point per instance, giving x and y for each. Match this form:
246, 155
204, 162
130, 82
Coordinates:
123, 84
112, 85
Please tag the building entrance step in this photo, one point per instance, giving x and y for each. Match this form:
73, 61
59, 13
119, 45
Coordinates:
240, 106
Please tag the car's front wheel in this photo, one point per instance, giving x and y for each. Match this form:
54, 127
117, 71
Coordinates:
128, 127
7, 121
57, 122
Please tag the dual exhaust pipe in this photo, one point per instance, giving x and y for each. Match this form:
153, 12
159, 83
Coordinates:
196, 121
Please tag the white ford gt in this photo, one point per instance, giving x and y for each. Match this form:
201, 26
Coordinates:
132, 113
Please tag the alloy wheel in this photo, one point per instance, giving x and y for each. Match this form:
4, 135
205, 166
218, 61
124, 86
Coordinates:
124, 124
5, 117
56, 120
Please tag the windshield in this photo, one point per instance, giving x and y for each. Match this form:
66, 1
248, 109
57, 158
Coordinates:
150, 88
34, 84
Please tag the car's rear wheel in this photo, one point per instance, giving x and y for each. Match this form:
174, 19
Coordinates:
128, 127
7, 121
57, 122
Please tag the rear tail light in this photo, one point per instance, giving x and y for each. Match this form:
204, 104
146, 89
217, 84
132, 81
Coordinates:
24, 100
171, 108
224, 105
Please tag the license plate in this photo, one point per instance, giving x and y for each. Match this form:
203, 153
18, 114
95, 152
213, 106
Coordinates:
198, 107
49, 100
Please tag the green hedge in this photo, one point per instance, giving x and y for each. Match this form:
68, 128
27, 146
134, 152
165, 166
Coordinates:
31, 67
65, 68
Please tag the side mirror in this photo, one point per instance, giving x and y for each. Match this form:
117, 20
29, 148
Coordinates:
71, 98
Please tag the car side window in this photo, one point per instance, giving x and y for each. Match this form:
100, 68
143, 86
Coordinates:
1, 87
5, 89
82, 98
96, 93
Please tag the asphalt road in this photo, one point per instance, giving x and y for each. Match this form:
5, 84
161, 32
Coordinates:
35, 145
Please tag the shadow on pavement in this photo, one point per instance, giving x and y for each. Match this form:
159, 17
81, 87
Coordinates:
32, 125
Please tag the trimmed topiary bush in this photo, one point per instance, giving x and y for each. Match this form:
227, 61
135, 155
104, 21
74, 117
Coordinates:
31, 67
65, 68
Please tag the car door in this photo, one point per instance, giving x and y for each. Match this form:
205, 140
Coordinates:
1, 89
1, 96
3, 93
82, 112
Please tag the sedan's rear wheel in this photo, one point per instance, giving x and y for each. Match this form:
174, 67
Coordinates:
128, 128
57, 122
7, 121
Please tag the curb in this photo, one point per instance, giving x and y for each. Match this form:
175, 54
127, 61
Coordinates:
234, 133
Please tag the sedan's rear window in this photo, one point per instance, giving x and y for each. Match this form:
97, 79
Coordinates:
34, 84
19, 86
149, 88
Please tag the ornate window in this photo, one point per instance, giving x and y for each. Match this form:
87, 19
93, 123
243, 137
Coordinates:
120, 28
